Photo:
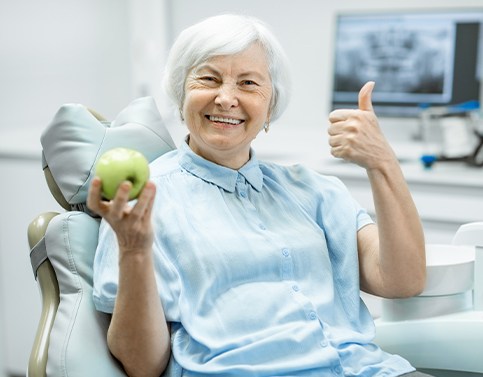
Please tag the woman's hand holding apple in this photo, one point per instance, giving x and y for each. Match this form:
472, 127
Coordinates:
131, 223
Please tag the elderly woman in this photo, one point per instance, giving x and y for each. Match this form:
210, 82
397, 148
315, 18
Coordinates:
230, 266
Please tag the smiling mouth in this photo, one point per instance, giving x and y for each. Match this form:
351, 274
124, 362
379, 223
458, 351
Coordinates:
224, 120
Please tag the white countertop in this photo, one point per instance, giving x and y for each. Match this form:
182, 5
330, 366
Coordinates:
22, 143
442, 173
314, 152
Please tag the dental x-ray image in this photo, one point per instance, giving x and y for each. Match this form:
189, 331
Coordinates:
408, 58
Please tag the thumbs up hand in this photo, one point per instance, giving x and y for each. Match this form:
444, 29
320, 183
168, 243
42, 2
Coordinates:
355, 135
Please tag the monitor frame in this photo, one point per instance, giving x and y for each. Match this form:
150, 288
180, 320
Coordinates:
362, 51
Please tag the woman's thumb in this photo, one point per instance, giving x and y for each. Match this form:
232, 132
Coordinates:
365, 96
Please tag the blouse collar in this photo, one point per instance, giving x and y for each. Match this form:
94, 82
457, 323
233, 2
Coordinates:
221, 176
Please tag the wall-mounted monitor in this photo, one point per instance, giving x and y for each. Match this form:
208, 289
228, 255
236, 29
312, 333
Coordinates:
417, 59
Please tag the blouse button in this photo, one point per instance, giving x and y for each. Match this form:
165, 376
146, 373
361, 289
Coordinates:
286, 252
313, 315
338, 370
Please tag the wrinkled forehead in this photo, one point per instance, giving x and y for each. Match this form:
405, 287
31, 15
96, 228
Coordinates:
252, 60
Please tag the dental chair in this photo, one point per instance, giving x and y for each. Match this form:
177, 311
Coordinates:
71, 334
441, 330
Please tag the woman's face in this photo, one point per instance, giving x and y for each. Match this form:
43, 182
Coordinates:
226, 104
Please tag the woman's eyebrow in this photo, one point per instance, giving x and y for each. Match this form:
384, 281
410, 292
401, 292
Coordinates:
256, 74
208, 67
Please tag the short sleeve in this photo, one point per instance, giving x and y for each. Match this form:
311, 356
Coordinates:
106, 269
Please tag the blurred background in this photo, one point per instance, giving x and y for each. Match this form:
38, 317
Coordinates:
106, 53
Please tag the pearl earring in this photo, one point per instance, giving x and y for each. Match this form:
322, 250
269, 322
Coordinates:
266, 126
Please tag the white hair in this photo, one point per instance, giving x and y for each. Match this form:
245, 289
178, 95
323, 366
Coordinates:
226, 34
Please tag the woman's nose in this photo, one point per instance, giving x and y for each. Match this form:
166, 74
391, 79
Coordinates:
226, 97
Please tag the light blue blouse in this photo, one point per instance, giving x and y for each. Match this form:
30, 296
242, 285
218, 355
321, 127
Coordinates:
257, 271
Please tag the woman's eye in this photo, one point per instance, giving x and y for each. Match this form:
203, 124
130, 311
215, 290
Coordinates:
208, 81
208, 78
249, 82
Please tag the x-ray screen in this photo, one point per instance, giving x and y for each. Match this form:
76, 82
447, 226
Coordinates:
414, 58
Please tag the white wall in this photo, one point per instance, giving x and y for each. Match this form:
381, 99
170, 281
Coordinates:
58, 51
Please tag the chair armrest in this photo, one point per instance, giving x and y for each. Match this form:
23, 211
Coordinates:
49, 290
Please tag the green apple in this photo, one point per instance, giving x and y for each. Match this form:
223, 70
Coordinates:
122, 164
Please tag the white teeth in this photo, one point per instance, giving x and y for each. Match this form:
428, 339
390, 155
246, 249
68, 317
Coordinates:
224, 120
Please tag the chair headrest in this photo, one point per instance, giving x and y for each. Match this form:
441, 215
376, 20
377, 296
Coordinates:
75, 139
